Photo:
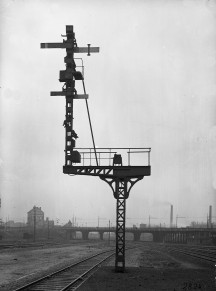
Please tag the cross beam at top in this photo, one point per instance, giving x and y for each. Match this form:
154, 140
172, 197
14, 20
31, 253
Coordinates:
69, 45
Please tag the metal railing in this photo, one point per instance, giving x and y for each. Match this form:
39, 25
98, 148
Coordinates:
105, 156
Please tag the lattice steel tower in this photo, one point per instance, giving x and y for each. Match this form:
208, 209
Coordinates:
105, 162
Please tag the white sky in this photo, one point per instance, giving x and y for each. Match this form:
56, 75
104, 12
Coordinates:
153, 84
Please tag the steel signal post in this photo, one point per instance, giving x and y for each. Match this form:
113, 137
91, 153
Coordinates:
105, 162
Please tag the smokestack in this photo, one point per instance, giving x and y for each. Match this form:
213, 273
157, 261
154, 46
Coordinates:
171, 216
210, 216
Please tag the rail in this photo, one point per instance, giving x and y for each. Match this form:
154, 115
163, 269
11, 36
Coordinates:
67, 277
198, 252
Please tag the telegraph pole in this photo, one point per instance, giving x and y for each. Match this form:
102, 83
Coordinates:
34, 223
109, 232
48, 230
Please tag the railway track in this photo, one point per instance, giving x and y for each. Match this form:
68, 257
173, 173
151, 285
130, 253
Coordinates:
69, 278
22, 245
203, 253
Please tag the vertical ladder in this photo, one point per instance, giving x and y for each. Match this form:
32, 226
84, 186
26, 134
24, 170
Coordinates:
121, 191
70, 85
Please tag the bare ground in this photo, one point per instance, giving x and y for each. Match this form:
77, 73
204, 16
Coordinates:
147, 268
19, 266
154, 270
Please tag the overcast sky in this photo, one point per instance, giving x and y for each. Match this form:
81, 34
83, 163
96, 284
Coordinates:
153, 84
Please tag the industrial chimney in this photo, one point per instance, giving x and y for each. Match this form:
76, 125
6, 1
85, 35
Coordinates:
171, 216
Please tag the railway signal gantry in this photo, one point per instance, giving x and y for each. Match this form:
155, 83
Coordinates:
106, 163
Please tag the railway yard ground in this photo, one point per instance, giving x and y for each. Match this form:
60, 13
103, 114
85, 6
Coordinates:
149, 266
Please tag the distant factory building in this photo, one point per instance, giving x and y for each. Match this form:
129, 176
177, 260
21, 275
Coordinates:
35, 215
142, 225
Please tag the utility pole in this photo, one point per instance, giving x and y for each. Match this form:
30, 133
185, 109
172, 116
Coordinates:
100, 218
177, 217
1, 222
150, 220
210, 216
48, 230
109, 232
34, 223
